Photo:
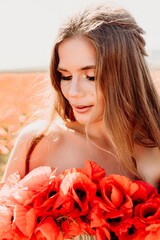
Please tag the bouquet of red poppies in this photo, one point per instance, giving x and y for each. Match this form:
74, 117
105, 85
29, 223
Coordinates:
79, 202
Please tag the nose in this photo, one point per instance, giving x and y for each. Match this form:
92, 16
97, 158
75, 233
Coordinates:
75, 89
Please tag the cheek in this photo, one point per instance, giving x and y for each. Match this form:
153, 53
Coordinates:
100, 101
64, 88
92, 89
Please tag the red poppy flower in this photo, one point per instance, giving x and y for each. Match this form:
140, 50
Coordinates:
141, 191
80, 188
149, 211
6, 214
129, 229
44, 200
96, 215
94, 171
103, 233
48, 230
114, 192
151, 191
25, 219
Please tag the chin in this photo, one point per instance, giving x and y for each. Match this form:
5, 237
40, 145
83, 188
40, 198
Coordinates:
84, 120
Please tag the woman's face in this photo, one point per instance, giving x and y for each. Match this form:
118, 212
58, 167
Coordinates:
77, 66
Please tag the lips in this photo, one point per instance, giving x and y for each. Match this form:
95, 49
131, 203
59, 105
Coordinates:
82, 108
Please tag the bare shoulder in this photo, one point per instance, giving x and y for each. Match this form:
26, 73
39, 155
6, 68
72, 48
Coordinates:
58, 149
148, 164
16, 161
57, 143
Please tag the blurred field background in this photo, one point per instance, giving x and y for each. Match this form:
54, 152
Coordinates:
19, 95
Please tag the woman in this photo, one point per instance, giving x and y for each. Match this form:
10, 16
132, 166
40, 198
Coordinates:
106, 99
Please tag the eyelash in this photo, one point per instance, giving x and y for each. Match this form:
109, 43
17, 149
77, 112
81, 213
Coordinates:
90, 78
66, 78
70, 77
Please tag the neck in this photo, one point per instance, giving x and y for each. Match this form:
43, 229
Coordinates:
96, 135
96, 132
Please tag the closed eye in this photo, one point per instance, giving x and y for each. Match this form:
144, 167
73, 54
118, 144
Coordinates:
66, 78
90, 78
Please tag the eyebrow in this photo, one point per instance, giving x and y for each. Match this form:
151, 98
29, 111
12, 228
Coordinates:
83, 68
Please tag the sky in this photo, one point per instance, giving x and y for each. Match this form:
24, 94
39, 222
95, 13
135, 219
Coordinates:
28, 28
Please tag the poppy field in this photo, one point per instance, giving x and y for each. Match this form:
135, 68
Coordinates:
19, 96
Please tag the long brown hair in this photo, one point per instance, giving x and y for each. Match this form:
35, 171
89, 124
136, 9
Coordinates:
132, 108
